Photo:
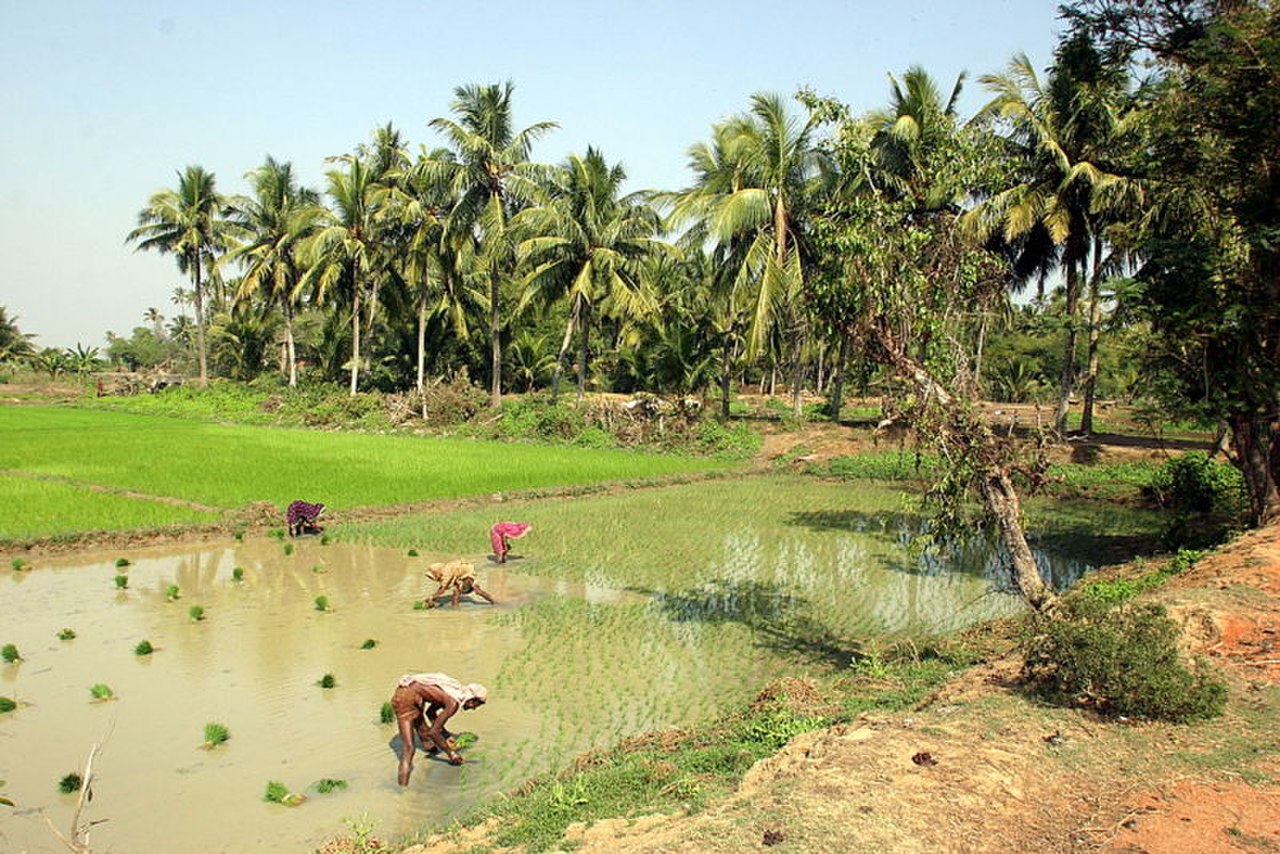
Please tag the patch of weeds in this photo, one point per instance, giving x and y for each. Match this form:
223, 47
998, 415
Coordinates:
101, 691
9, 653
362, 839
327, 681
278, 533
278, 793
144, 647
196, 613
1116, 591
67, 634
215, 734
1119, 660
70, 783
328, 784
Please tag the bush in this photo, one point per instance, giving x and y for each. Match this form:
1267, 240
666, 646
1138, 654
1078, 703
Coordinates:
1120, 661
1194, 483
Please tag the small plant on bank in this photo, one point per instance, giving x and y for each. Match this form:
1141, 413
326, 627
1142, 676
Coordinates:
8, 705
122, 562
196, 613
369, 643
1119, 660
171, 592
237, 573
322, 603
66, 634
387, 714
327, 681
70, 783
122, 581
215, 734
278, 793
102, 692
9, 652
144, 647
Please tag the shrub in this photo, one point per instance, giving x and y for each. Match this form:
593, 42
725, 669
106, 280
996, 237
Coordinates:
1194, 483
1121, 661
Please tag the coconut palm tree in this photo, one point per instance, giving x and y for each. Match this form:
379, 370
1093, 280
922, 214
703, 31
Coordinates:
491, 178
280, 216
768, 173
191, 223
14, 343
1060, 128
588, 244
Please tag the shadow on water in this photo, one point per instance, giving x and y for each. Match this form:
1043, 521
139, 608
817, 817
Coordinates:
777, 618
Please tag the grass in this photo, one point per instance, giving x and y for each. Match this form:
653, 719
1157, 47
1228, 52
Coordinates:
60, 484
9, 653
144, 647
215, 734
102, 691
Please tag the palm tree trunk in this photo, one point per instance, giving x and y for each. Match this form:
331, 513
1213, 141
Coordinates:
583, 328
1095, 324
495, 342
355, 338
290, 349
797, 370
1067, 383
726, 376
837, 376
201, 353
564, 348
422, 337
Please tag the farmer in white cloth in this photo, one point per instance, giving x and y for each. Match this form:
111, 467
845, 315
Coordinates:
424, 702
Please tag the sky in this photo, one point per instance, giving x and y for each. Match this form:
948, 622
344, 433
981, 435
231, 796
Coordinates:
103, 103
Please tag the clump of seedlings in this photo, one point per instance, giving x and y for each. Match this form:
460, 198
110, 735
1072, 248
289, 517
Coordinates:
67, 634
122, 562
420, 605
322, 603
369, 643
196, 613
387, 714
144, 647
70, 783
325, 539
278, 533
7, 705
318, 569
278, 793
327, 681
413, 552
122, 581
9, 652
215, 734
102, 692
171, 592
288, 548
237, 573
328, 784
19, 564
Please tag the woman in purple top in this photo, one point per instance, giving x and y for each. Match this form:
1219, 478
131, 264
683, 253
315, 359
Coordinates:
304, 518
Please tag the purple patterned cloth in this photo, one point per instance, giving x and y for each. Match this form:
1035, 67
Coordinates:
302, 515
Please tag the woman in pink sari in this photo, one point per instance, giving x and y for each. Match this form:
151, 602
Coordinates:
502, 533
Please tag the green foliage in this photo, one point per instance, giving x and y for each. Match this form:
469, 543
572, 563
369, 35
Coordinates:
101, 691
66, 634
327, 681
18, 564
288, 548
278, 793
1194, 483
171, 592
144, 647
121, 562
237, 573
215, 734
122, 581
70, 783
889, 465
9, 653
328, 784
195, 613
386, 714
7, 705
322, 603
369, 643
1120, 660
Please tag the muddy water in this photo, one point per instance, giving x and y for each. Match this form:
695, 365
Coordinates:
569, 665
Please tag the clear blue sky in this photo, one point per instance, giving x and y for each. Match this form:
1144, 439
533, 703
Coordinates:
102, 103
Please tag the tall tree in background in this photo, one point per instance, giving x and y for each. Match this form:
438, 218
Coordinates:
588, 244
491, 178
280, 216
1209, 158
190, 222
14, 343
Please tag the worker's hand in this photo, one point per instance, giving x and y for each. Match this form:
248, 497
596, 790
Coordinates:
455, 758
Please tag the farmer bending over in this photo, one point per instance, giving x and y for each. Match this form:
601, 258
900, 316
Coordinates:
304, 518
424, 702
458, 576
501, 535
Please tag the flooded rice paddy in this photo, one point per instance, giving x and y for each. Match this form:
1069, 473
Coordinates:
619, 614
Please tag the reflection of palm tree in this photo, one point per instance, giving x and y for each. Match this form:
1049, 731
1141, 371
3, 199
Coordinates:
190, 223
491, 177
